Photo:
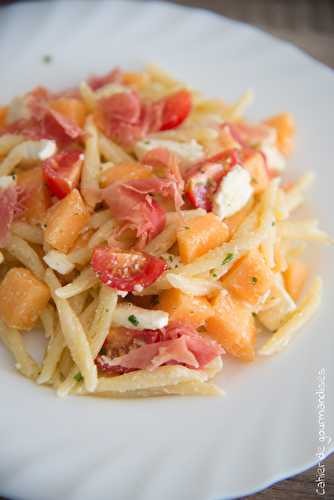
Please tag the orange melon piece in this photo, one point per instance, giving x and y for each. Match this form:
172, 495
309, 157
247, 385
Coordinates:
3, 114
37, 200
65, 220
72, 108
82, 240
136, 79
249, 279
185, 308
199, 235
234, 221
119, 340
22, 298
233, 326
125, 172
254, 163
285, 126
295, 277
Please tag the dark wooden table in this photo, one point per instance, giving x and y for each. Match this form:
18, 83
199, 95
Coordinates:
310, 25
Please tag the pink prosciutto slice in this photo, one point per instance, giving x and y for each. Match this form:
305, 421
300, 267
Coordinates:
176, 344
10, 208
114, 76
136, 209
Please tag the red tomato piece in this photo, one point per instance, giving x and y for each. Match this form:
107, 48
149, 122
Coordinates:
176, 109
205, 176
62, 172
126, 271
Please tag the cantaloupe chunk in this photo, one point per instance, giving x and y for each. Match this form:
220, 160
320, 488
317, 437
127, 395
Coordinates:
36, 195
285, 126
125, 172
249, 279
233, 326
22, 298
185, 308
136, 79
65, 220
82, 240
199, 235
295, 277
254, 162
3, 114
72, 108
234, 221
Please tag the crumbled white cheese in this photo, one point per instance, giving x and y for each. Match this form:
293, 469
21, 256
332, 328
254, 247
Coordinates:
6, 181
188, 151
145, 318
45, 149
122, 294
58, 261
233, 193
275, 159
138, 288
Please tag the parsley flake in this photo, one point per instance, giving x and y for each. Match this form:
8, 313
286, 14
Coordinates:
132, 319
78, 377
46, 59
254, 279
227, 259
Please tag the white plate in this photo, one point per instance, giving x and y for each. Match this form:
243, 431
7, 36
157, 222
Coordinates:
266, 427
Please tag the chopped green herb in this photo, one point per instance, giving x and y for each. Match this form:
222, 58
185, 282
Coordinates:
155, 300
273, 223
254, 279
146, 142
227, 259
132, 319
103, 351
14, 177
78, 377
46, 59
170, 258
213, 273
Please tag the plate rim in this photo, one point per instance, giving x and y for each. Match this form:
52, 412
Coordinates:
293, 48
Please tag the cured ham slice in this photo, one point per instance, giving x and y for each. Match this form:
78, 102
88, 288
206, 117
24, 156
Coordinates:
176, 344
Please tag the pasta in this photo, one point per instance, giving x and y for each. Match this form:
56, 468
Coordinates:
144, 229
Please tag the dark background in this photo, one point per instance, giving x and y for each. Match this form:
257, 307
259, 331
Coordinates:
308, 24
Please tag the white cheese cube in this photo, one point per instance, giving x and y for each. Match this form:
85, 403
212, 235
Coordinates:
233, 193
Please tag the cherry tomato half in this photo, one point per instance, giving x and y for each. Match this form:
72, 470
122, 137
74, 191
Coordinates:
126, 271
